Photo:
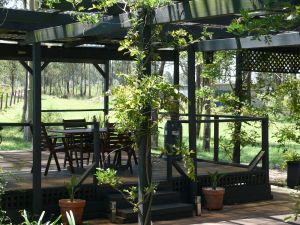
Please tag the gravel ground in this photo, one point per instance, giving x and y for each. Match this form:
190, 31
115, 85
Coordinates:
278, 177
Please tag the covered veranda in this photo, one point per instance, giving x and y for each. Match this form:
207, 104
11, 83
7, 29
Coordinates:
44, 37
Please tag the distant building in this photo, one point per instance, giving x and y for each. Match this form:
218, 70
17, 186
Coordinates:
225, 88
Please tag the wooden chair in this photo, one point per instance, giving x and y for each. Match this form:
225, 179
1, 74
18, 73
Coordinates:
49, 143
117, 143
80, 143
74, 124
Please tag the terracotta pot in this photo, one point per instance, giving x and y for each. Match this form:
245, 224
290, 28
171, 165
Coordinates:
214, 198
77, 207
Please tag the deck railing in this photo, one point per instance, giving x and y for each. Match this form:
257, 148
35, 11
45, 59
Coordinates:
262, 156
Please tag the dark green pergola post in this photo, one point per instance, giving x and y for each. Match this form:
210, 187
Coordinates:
192, 113
36, 158
175, 82
106, 88
176, 74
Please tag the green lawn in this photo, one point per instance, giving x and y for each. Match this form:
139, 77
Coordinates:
13, 137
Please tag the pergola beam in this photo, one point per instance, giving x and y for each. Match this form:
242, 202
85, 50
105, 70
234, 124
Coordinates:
71, 55
26, 20
278, 40
179, 12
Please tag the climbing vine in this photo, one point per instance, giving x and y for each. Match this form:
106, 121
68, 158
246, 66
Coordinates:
276, 17
142, 91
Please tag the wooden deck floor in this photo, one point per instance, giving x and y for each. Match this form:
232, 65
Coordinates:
18, 165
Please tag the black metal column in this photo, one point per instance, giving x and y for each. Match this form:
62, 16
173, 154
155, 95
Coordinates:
265, 145
96, 154
36, 158
106, 87
174, 117
216, 139
192, 112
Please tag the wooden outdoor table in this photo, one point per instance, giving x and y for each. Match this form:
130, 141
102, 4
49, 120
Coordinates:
82, 131
77, 131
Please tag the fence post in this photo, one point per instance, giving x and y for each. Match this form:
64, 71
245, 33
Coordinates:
265, 145
6, 101
216, 139
1, 101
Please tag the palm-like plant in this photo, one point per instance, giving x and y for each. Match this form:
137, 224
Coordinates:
215, 178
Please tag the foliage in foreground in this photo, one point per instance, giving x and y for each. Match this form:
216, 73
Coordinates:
70, 218
295, 208
131, 98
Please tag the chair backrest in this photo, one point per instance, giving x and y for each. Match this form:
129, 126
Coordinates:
85, 140
46, 142
115, 140
74, 124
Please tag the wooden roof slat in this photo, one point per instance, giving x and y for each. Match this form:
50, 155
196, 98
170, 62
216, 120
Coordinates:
184, 11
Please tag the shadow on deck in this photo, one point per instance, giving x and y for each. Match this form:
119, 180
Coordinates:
18, 165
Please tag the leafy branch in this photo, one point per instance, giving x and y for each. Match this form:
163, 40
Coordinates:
276, 18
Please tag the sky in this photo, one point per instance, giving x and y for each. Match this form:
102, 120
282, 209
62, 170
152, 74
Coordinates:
14, 4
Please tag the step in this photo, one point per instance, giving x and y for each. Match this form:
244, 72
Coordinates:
159, 212
161, 197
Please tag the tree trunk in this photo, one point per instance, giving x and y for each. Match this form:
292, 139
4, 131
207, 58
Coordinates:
29, 111
238, 91
81, 85
25, 98
90, 83
73, 85
45, 84
50, 87
248, 86
85, 84
12, 76
162, 68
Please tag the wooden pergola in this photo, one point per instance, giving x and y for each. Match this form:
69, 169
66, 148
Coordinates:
55, 36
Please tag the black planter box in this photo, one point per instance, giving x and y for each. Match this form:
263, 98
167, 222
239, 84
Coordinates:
293, 173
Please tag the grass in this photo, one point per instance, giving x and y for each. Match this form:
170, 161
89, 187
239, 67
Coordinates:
14, 113
13, 137
13, 140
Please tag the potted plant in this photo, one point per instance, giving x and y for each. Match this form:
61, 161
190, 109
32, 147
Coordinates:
292, 162
214, 195
76, 206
